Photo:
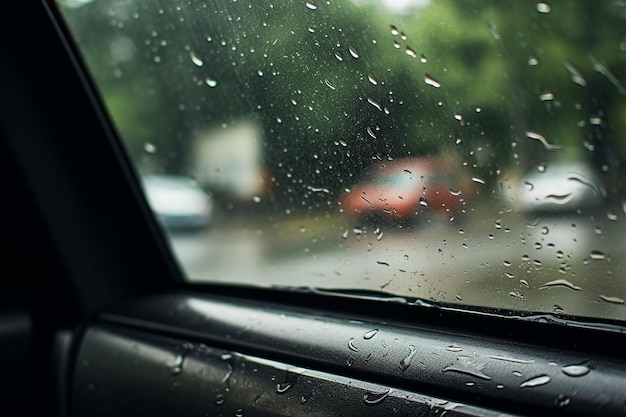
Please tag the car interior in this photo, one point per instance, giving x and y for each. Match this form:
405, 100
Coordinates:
105, 311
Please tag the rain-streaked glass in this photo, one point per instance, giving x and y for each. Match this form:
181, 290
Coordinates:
458, 152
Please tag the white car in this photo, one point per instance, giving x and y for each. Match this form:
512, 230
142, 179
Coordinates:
178, 202
559, 187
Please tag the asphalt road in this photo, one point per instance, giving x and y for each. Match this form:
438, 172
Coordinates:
567, 263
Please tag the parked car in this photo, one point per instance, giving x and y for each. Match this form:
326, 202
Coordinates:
403, 188
558, 187
178, 202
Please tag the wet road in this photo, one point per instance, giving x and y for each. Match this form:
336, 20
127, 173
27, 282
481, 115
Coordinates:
552, 264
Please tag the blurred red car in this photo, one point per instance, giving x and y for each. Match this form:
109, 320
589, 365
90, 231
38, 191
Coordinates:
403, 188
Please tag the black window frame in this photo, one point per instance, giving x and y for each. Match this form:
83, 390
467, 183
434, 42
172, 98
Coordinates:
115, 268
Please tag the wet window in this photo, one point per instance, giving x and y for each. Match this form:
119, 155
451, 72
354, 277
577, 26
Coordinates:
457, 152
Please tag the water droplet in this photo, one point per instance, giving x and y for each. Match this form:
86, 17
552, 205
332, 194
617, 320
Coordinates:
472, 371
372, 80
543, 7
176, 365
561, 283
370, 334
350, 361
513, 360
211, 82
329, 85
338, 56
575, 75
524, 283
478, 180
576, 370
353, 52
375, 104
375, 398
454, 348
194, 58
538, 245
536, 381
423, 59
545, 230
533, 61
344, 235
283, 387
382, 263
410, 52
517, 295
379, 237
547, 146
431, 81
562, 401
371, 133
517, 373
597, 255
560, 198
351, 345
406, 362
219, 400
311, 6
150, 148
613, 300
546, 97
394, 30
256, 199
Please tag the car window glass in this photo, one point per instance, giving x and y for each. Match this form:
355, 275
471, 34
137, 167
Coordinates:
462, 152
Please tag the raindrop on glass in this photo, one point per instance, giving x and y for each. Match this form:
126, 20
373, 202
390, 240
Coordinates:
597, 255
194, 58
543, 7
428, 79
612, 300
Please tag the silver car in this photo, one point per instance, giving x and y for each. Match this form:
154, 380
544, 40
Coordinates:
178, 202
559, 187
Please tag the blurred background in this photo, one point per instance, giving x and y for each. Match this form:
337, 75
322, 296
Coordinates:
465, 152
